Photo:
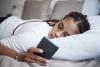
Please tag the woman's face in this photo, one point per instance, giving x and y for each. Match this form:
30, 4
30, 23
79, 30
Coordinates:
63, 28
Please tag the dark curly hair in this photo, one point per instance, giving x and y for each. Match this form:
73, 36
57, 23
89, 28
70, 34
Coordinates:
83, 23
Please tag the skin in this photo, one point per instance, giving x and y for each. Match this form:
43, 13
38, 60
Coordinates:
63, 28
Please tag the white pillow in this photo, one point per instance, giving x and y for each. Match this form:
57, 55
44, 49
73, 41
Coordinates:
81, 46
91, 7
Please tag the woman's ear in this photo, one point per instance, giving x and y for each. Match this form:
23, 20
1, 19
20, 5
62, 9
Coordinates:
52, 22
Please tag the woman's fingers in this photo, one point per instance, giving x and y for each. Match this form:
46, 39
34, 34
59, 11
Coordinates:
41, 59
32, 58
29, 60
36, 50
37, 58
30, 55
41, 63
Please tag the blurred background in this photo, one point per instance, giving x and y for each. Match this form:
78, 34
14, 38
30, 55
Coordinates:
43, 9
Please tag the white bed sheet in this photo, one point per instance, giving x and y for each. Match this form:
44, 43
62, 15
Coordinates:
6, 61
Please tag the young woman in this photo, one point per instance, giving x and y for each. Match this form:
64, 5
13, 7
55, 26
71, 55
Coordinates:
20, 36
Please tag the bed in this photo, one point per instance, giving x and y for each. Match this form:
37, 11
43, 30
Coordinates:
6, 61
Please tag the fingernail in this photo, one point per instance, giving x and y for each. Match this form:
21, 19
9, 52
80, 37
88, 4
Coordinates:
47, 61
41, 51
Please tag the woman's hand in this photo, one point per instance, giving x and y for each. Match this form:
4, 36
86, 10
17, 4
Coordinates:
30, 57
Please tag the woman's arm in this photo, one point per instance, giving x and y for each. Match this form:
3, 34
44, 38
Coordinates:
22, 42
28, 56
8, 52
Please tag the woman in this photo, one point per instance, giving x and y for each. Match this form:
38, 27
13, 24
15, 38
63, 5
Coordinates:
21, 36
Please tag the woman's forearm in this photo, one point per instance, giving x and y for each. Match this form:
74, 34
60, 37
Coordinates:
8, 52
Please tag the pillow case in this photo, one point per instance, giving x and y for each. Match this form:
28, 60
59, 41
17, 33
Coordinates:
81, 46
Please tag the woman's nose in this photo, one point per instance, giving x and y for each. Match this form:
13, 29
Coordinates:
59, 34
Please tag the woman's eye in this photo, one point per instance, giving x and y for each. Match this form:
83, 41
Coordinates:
60, 26
65, 34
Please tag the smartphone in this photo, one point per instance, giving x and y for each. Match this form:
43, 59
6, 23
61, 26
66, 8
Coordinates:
48, 47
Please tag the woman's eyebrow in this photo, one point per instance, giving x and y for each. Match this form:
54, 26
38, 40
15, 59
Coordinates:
61, 25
